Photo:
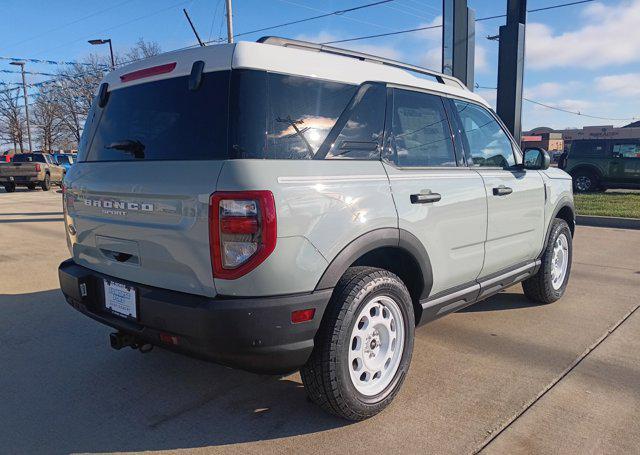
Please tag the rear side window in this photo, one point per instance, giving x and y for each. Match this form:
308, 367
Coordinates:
420, 132
591, 149
487, 142
277, 116
163, 120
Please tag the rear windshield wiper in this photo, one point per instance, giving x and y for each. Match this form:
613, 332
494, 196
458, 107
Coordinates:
136, 148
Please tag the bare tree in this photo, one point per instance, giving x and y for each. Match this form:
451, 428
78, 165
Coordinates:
49, 121
12, 122
142, 49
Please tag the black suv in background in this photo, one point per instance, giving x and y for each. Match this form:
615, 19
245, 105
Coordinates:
598, 164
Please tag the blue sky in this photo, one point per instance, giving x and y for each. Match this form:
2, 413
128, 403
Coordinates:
582, 58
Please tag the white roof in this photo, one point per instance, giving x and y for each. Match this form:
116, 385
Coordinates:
288, 60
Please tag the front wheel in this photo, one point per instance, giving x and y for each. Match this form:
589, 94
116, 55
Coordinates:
364, 345
549, 284
10, 187
585, 182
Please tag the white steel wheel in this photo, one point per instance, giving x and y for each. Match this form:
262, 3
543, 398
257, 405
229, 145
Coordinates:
376, 345
559, 261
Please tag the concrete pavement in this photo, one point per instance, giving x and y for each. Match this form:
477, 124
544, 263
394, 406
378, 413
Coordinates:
62, 389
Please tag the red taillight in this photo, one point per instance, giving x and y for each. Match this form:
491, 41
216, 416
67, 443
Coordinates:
242, 231
38, 168
239, 225
148, 72
302, 315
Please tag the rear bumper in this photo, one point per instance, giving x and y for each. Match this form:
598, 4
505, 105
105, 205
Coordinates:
19, 179
254, 334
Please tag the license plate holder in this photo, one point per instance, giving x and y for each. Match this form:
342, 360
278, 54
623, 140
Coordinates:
120, 299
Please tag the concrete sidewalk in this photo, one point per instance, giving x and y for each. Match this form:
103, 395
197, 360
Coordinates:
62, 389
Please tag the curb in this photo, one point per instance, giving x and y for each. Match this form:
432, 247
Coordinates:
608, 222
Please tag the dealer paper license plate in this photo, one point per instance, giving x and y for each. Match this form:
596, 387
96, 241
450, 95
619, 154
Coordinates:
120, 299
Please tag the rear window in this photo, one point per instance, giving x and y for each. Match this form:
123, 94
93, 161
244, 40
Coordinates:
163, 120
28, 158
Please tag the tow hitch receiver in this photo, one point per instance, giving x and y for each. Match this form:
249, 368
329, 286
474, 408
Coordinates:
121, 340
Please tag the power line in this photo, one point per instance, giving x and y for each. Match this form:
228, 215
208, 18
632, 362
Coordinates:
48, 62
578, 112
555, 108
299, 21
480, 19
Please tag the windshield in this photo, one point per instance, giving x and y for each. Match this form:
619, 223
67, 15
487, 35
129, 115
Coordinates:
163, 120
28, 158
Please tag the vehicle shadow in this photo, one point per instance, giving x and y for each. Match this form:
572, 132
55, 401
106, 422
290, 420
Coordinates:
500, 302
60, 377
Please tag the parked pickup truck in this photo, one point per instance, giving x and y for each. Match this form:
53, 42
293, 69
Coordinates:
30, 170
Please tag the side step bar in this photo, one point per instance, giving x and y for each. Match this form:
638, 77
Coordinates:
456, 299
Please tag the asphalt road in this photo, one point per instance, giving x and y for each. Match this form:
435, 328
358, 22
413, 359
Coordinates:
504, 376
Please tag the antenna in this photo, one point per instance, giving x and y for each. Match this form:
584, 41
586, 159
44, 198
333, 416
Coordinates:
195, 32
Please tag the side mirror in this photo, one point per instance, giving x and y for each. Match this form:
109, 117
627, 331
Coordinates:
536, 158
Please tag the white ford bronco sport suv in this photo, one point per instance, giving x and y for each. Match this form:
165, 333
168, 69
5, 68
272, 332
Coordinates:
281, 205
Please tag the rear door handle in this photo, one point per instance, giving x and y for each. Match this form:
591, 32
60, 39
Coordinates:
502, 191
425, 198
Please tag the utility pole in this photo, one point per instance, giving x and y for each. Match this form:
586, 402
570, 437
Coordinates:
26, 101
511, 67
229, 22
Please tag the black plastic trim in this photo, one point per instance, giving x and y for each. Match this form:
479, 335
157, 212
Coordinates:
251, 333
564, 202
379, 238
459, 297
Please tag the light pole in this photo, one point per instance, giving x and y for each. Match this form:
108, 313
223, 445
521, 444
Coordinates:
26, 100
105, 41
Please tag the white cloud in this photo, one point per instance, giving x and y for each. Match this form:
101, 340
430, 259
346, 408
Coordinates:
609, 37
380, 51
551, 89
489, 95
624, 85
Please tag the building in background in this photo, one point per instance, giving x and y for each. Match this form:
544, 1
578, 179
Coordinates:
564, 138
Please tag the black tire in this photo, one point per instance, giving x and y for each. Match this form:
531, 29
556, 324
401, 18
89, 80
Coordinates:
46, 183
31, 186
585, 181
539, 288
326, 375
10, 187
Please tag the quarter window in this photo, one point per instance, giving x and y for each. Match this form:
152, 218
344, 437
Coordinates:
360, 127
487, 142
420, 133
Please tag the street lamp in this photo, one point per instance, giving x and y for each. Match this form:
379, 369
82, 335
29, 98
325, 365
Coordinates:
26, 100
105, 41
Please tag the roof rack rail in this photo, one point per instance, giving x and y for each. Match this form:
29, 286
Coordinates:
286, 42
